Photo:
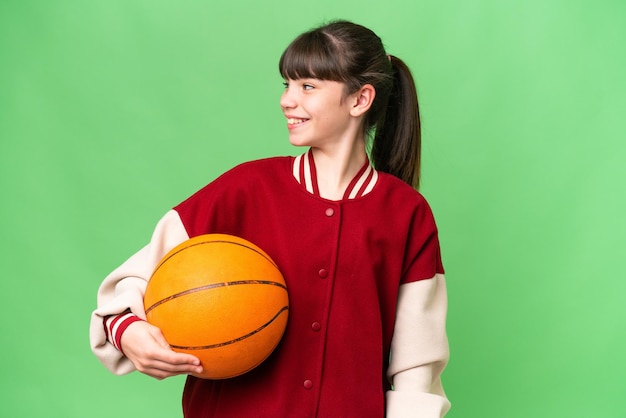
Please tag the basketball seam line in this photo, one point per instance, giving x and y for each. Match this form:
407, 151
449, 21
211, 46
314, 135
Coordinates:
213, 286
243, 337
216, 242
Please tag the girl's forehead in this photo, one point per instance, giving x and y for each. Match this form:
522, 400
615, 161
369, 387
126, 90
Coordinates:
319, 63
303, 79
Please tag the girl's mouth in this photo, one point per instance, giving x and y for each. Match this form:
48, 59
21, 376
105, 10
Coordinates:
293, 123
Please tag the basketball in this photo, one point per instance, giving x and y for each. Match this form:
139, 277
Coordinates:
222, 299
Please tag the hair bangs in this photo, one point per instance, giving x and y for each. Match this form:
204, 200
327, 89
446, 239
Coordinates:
312, 55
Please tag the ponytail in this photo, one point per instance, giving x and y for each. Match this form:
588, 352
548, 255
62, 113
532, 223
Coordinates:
396, 146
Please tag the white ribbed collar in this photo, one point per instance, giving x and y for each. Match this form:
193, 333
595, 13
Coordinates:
305, 173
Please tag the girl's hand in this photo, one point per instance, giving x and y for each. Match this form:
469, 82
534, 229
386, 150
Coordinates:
146, 347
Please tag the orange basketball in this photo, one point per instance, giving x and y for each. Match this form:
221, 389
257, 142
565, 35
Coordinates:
222, 299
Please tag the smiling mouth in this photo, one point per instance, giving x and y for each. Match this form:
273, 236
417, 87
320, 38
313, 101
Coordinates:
294, 121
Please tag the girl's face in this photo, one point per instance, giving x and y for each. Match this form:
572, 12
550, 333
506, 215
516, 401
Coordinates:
317, 112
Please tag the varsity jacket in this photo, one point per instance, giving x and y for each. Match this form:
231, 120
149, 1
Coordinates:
366, 332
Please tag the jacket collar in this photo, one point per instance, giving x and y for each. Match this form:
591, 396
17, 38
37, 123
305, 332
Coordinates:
305, 173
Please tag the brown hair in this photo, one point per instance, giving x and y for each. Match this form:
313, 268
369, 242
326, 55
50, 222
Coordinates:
352, 54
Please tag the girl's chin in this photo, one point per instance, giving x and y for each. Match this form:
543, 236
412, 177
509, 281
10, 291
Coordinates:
298, 142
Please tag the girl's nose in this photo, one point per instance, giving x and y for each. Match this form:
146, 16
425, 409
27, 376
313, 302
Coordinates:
287, 100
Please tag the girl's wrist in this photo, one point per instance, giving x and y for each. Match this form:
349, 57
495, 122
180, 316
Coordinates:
115, 325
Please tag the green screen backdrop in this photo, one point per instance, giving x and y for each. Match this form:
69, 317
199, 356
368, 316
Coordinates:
111, 112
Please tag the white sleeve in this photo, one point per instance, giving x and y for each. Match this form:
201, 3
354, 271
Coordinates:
124, 288
419, 351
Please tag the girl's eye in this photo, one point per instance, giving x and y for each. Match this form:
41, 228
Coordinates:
305, 86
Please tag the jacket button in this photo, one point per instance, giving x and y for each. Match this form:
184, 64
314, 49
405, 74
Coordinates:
308, 384
323, 273
330, 212
316, 326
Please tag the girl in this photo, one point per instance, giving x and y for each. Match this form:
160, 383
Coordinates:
355, 241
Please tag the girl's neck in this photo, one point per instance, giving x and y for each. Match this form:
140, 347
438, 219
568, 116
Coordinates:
337, 167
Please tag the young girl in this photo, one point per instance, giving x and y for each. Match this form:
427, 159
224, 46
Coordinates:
355, 241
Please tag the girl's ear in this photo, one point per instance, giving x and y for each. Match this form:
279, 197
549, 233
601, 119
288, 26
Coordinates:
364, 98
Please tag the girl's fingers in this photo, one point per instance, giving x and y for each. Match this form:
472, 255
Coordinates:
146, 347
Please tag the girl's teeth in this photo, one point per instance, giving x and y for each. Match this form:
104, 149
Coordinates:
294, 121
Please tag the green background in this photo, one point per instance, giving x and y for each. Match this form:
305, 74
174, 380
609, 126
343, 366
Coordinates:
113, 111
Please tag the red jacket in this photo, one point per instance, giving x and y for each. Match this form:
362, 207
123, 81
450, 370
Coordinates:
343, 262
